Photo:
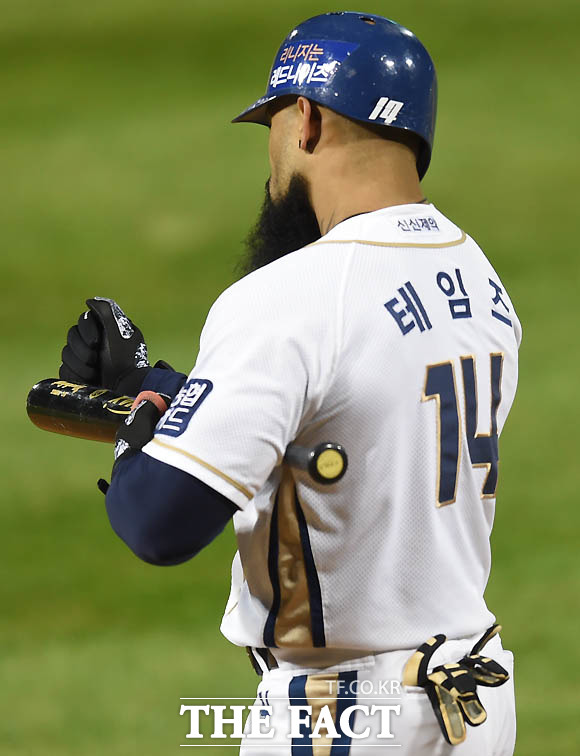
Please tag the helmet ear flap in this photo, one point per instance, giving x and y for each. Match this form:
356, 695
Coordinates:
364, 67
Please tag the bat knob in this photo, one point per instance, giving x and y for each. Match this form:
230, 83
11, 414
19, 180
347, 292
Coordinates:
328, 463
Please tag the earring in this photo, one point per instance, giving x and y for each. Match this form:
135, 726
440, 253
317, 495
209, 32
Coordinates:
300, 144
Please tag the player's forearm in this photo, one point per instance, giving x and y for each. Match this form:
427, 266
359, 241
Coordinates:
163, 514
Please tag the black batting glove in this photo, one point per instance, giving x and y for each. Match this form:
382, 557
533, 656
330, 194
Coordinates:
80, 356
105, 349
138, 429
123, 359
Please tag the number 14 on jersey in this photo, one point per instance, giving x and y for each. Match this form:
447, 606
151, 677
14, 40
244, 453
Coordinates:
441, 385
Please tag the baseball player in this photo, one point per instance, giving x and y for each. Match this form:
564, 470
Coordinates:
369, 318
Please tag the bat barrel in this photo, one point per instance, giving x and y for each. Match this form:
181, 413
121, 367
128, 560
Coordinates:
73, 409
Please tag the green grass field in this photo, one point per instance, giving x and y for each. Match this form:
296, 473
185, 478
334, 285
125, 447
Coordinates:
121, 176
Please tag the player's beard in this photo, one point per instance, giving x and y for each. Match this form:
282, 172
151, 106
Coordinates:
283, 226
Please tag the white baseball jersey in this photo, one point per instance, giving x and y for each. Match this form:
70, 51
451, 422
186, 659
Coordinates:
394, 336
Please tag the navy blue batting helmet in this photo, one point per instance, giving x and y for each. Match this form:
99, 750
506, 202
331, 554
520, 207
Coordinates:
362, 66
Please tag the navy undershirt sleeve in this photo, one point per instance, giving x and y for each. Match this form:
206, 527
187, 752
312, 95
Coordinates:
164, 515
163, 381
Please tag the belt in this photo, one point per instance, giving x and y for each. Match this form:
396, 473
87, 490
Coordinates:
261, 659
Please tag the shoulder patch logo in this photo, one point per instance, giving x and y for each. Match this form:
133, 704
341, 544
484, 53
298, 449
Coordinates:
386, 109
184, 406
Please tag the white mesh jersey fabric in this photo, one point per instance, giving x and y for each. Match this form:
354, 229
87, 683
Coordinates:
337, 342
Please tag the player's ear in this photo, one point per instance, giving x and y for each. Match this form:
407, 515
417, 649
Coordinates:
309, 124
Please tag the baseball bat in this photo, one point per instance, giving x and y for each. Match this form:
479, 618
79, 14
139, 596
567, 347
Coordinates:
94, 413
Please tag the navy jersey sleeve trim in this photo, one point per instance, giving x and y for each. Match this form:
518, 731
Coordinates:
163, 381
163, 514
